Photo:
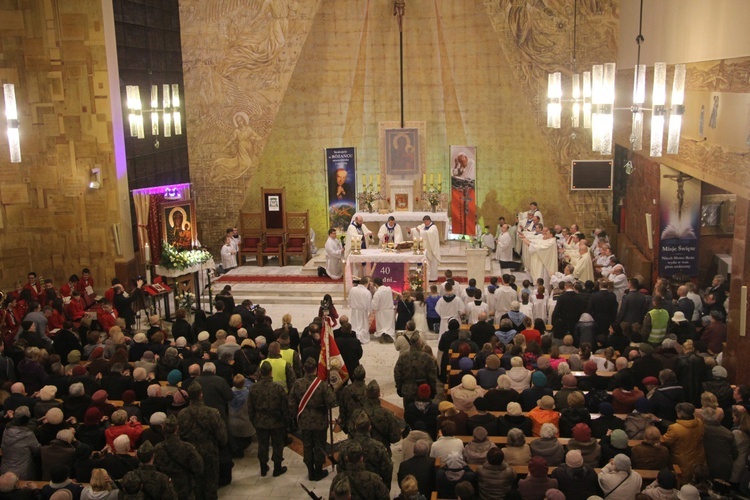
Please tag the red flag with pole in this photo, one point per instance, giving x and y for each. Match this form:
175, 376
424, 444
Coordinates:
331, 366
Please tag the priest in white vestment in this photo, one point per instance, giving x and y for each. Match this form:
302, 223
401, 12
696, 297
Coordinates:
334, 253
431, 241
583, 270
385, 317
357, 229
542, 255
449, 307
392, 231
360, 302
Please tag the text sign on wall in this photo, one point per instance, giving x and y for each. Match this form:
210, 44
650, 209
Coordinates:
679, 223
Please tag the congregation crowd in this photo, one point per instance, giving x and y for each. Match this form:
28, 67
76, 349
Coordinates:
618, 384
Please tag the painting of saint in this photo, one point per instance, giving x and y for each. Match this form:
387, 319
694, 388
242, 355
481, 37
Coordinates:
178, 224
402, 147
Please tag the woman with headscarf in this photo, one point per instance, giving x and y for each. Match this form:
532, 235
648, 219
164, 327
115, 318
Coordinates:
575, 477
497, 399
535, 485
618, 480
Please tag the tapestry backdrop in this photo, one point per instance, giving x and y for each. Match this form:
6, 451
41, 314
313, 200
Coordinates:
342, 192
679, 223
463, 190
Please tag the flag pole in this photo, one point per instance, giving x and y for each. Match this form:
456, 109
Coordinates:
327, 327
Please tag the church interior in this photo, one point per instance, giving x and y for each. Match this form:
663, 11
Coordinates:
241, 96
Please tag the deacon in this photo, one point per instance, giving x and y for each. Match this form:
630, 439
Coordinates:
542, 254
334, 252
431, 241
583, 270
310, 400
357, 229
382, 304
360, 301
390, 232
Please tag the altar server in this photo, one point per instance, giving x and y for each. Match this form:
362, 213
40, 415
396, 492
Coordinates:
385, 318
360, 301
334, 252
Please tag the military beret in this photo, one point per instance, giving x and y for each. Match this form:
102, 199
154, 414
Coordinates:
265, 368
194, 388
170, 424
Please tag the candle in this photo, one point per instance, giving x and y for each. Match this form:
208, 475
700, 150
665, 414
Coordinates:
364, 182
424, 188
432, 179
378, 182
370, 178
440, 179
147, 252
424, 179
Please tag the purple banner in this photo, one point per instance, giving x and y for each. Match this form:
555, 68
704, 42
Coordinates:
392, 273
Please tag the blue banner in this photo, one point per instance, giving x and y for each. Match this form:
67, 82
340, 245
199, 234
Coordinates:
679, 223
341, 165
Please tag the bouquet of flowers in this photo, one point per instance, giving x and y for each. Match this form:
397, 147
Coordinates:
368, 197
433, 195
186, 300
415, 280
171, 258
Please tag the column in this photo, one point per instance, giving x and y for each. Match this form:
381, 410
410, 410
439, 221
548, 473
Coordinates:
738, 347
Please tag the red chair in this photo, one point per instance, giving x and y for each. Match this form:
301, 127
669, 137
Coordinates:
272, 245
298, 237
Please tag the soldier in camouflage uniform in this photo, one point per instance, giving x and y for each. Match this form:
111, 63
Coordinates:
413, 368
362, 484
385, 427
351, 398
377, 459
313, 421
204, 428
178, 460
153, 485
268, 407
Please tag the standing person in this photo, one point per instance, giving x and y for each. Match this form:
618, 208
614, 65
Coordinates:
357, 229
390, 232
153, 484
449, 307
204, 428
543, 254
430, 237
433, 318
311, 409
228, 254
382, 304
179, 460
504, 252
334, 253
269, 412
360, 301
414, 368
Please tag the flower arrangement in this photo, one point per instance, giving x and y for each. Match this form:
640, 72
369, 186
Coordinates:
171, 258
368, 197
186, 300
433, 195
415, 280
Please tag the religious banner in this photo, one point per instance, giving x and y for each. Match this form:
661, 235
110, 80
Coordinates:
393, 274
178, 224
679, 223
463, 190
342, 192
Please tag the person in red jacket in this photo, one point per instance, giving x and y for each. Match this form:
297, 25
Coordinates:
76, 307
122, 425
67, 289
107, 317
85, 286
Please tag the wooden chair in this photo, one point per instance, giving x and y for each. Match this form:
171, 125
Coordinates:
252, 236
272, 245
298, 236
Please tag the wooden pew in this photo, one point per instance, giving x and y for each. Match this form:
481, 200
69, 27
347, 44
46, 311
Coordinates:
503, 440
594, 416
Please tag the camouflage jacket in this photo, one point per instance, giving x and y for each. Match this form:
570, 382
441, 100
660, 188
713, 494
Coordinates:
181, 462
363, 484
154, 484
202, 427
377, 459
268, 405
413, 368
315, 414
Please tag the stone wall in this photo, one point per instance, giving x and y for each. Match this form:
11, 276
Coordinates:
281, 81
50, 222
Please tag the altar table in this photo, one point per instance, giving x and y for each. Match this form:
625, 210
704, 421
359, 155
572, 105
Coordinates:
406, 220
378, 255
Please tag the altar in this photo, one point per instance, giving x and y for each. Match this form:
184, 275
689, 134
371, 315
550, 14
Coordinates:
376, 255
406, 220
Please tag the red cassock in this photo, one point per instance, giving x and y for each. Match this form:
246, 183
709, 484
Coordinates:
76, 309
107, 320
82, 284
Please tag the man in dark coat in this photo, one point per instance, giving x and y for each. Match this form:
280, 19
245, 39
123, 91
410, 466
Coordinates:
349, 346
312, 417
603, 306
634, 305
216, 392
567, 312
482, 331
645, 365
421, 466
665, 397
691, 373
218, 320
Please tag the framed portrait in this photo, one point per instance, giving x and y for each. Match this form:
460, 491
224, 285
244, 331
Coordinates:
273, 203
402, 151
178, 224
401, 202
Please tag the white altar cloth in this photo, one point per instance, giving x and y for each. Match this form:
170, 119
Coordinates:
378, 255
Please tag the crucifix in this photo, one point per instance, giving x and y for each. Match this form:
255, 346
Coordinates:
680, 178
398, 11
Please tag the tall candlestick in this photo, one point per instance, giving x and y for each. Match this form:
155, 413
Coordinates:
424, 179
440, 179
378, 182
432, 179
370, 179
364, 182
147, 253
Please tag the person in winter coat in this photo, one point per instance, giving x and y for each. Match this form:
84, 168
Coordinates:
651, 453
20, 446
453, 471
577, 479
463, 395
548, 446
639, 419
719, 446
542, 414
575, 413
498, 398
475, 452
664, 486
520, 377
517, 452
684, 439
618, 480
741, 432
535, 485
238, 419
614, 444
418, 433
495, 477
515, 419
589, 447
